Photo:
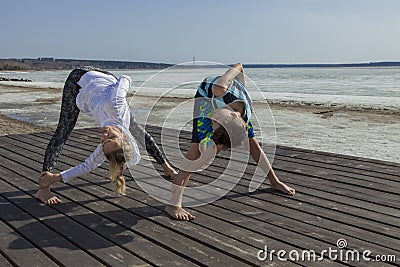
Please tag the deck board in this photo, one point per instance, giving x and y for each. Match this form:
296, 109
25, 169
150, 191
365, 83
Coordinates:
13, 244
337, 197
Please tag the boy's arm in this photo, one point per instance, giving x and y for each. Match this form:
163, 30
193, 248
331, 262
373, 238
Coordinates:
222, 84
240, 77
203, 156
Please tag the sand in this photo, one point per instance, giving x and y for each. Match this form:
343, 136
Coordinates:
11, 126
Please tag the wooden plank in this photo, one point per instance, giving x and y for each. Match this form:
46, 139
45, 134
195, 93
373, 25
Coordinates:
219, 212
343, 212
94, 245
19, 250
345, 178
169, 237
337, 159
121, 236
203, 232
342, 178
60, 249
300, 221
372, 193
391, 211
281, 150
330, 160
102, 249
225, 243
345, 158
246, 209
6, 262
112, 216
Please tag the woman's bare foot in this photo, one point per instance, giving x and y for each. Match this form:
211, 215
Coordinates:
278, 185
178, 213
47, 197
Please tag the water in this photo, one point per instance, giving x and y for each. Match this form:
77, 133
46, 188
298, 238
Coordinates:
368, 88
365, 104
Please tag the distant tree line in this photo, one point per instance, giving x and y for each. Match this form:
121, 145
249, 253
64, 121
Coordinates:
339, 65
66, 64
46, 63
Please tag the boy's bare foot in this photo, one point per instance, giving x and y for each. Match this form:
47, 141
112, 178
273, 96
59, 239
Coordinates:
278, 185
178, 213
168, 170
47, 197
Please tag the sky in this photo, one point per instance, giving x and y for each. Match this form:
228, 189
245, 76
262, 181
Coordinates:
175, 31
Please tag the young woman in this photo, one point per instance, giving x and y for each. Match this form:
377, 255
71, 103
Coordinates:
221, 120
103, 97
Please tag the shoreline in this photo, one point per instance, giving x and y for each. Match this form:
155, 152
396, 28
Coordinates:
53, 96
10, 126
279, 104
363, 133
306, 107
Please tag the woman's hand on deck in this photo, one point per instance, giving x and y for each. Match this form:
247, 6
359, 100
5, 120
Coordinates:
47, 178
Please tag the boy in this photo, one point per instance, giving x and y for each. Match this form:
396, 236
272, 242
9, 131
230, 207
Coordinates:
222, 112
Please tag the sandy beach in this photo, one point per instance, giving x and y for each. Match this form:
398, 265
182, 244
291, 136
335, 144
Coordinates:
11, 126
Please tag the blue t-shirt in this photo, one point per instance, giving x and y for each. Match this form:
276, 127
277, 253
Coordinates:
206, 102
235, 92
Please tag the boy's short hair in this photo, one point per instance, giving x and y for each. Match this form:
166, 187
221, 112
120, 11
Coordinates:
231, 132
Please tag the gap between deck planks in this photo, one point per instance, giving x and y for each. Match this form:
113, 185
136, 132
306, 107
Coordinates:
181, 232
252, 224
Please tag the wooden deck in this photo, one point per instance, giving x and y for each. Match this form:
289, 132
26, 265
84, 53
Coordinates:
337, 197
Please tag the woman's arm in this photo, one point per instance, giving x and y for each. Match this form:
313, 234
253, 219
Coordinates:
91, 163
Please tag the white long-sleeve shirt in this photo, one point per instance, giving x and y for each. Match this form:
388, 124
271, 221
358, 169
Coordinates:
103, 98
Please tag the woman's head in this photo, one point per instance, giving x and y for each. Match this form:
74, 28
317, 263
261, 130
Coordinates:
229, 128
116, 149
110, 139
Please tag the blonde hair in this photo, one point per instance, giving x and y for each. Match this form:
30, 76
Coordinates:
117, 160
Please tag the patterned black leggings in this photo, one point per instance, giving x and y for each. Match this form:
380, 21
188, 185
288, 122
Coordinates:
69, 115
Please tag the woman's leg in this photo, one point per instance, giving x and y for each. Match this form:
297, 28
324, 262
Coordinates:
67, 120
68, 117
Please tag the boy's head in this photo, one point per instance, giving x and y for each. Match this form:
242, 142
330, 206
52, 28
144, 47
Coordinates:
229, 128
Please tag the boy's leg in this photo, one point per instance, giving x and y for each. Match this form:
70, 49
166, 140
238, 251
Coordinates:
262, 161
174, 209
202, 112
